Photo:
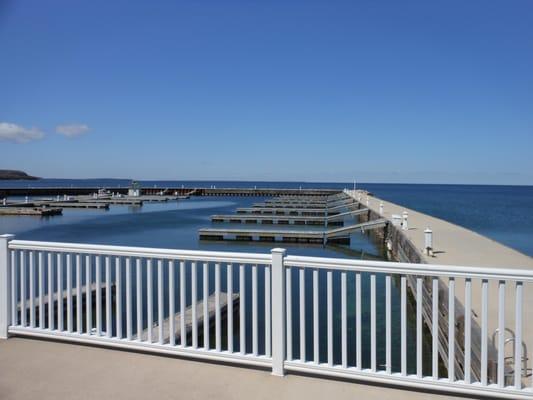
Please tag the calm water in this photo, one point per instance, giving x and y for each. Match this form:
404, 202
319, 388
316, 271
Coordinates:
501, 212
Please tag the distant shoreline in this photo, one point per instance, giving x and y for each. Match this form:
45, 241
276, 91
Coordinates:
14, 175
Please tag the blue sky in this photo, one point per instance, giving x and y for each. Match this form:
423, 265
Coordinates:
383, 91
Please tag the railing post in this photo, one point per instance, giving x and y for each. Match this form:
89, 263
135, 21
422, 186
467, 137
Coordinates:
5, 286
278, 312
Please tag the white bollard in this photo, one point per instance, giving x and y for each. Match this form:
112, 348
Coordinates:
26, 200
381, 208
405, 214
428, 238
396, 219
5, 202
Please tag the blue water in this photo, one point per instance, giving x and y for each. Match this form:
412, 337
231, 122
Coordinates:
503, 213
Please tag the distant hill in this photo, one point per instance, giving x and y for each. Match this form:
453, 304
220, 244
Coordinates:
8, 174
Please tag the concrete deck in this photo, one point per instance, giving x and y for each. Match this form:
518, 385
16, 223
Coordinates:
456, 245
36, 369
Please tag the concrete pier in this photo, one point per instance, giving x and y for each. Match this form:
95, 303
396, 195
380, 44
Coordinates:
456, 245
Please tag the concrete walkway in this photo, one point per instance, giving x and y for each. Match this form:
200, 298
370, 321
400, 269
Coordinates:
455, 245
36, 369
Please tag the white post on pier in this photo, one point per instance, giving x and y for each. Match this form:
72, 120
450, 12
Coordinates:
381, 208
405, 226
4, 202
5, 286
278, 312
26, 200
428, 238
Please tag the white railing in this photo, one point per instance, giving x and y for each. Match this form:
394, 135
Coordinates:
335, 317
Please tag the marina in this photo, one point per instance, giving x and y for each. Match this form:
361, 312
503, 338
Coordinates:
341, 218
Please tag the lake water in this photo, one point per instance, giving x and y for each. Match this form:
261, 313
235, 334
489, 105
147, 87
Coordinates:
504, 213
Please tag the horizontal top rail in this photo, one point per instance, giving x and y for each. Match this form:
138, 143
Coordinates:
143, 252
514, 274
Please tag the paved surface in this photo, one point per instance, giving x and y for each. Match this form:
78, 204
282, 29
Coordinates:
36, 369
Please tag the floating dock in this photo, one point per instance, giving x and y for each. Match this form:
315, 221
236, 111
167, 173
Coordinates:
302, 236
37, 211
211, 311
287, 219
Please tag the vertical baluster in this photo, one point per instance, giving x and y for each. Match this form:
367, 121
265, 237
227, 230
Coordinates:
32, 290
129, 311
501, 334
388, 326
484, 330
149, 299
254, 310
41, 291
118, 298
358, 355
14, 319
403, 283
268, 351
160, 305
373, 322
302, 315
329, 282
242, 311
468, 332
218, 329
419, 322
88, 295
289, 312
78, 295
108, 296
98, 267
518, 337
171, 302
183, 286
139, 284
206, 310
23, 288
230, 307
60, 312
451, 329
344, 322
194, 300
50, 292
69, 294
316, 333
435, 328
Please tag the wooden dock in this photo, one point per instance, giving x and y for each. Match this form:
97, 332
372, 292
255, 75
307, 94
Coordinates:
287, 219
76, 204
64, 296
211, 311
302, 236
37, 211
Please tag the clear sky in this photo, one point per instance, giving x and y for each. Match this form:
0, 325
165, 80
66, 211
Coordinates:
383, 91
